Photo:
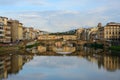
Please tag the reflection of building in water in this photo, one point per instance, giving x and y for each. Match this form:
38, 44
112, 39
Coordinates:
12, 64
64, 49
5, 62
59, 44
89, 50
16, 63
2, 66
41, 49
111, 63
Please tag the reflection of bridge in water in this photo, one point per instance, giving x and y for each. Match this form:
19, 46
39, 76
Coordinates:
49, 44
14, 62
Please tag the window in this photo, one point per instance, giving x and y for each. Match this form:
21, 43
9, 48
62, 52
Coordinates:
106, 32
113, 32
109, 32
1, 32
1, 27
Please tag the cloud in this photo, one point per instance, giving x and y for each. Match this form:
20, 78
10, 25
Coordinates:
22, 2
49, 20
63, 20
56, 62
63, 15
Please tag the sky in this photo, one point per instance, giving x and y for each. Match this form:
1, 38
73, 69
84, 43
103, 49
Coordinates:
61, 15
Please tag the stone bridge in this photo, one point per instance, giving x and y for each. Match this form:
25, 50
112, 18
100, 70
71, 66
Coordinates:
52, 42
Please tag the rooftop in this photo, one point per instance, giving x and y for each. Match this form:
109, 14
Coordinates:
112, 23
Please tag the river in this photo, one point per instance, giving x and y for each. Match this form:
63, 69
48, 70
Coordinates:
81, 66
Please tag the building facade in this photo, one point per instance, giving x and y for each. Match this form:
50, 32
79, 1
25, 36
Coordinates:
92, 34
7, 34
1, 32
5, 30
80, 33
56, 37
16, 30
100, 32
20, 31
112, 31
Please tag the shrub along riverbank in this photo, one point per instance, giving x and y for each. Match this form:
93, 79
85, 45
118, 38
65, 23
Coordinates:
12, 50
116, 48
94, 45
8, 49
33, 45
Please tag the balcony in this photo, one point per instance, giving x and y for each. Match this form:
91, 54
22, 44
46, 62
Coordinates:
1, 27
1, 34
1, 30
8, 27
2, 66
1, 62
7, 36
7, 41
8, 32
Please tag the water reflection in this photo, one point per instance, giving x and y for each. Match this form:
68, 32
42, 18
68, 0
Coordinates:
85, 64
12, 64
111, 63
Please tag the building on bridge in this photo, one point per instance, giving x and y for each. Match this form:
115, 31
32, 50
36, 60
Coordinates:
57, 37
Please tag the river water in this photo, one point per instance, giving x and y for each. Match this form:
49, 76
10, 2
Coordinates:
59, 67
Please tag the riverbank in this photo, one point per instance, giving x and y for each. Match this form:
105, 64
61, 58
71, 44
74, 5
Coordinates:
116, 48
12, 50
94, 45
32, 45
7, 49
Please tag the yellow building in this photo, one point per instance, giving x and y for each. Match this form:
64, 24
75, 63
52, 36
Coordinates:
80, 33
112, 31
92, 35
5, 30
47, 37
100, 32
20, 31
69, 37
1, 32
55, 37
16, 30
31, 33
7, 33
